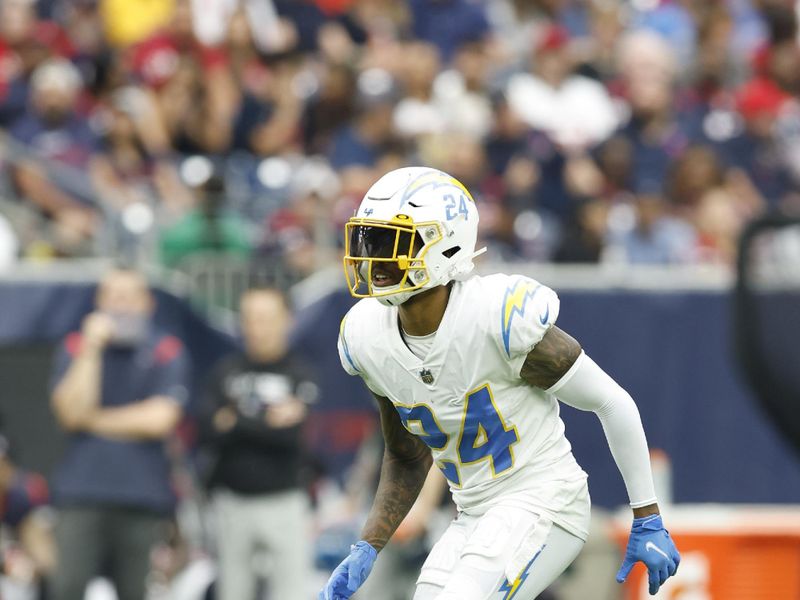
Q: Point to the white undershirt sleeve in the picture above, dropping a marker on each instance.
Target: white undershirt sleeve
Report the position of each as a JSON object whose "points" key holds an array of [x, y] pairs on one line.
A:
{"points": [[587, 387]]}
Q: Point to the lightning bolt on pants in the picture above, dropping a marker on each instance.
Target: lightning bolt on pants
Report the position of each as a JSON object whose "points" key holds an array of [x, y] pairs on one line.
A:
{"points": [[470, 561]]}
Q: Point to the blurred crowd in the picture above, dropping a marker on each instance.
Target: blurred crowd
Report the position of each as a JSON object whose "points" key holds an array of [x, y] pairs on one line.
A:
{"points": [[644, 131]]}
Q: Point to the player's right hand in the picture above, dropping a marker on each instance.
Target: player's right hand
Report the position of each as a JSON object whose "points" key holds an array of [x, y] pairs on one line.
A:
{"points": [[351, 573]]}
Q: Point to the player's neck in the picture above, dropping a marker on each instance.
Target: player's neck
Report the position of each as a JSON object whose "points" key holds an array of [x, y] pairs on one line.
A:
{"points": [[422, 314]]}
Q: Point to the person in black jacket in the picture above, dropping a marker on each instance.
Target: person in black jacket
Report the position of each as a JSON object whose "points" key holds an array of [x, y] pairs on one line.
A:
{"points": [[252, 419]]}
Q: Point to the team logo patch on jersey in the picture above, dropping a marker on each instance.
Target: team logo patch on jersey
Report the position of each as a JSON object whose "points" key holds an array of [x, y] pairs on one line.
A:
{"points": [[426, 376], [514, 303]]}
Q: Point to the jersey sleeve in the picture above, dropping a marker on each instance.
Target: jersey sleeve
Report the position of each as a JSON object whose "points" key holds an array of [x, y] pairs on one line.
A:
{"points": [[528, 310], [345, 356], [349, 360]]}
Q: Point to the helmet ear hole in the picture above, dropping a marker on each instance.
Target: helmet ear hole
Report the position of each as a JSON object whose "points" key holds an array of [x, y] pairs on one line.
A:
{"points": [[451, 251]]}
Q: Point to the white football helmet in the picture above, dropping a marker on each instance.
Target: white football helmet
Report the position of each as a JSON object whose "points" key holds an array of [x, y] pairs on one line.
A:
{"points": [[420, 223]]}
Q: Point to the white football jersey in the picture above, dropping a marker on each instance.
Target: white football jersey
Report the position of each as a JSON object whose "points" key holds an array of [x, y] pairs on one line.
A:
{"points": [[495, 438]]}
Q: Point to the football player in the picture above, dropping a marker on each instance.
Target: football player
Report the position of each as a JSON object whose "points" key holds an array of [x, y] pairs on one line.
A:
{"points": [[467, 372]]}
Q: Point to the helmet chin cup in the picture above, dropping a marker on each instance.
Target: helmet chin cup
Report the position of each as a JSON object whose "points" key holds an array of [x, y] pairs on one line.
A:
{"points": [[396, 299]]}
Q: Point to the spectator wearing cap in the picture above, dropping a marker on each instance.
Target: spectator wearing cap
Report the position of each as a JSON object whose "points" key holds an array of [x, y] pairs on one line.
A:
{"points": [[252, 422], [55, 149], [119, 388]]}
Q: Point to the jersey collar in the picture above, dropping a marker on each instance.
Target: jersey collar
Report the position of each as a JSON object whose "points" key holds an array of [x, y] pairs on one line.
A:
{"points": [[438, 352]]}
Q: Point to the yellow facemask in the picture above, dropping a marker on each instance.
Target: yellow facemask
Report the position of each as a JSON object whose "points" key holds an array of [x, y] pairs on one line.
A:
{"points": [[399, 242]]}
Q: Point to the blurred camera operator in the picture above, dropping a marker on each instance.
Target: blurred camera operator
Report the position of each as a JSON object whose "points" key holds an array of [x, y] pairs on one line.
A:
{"points": [[119, 392], [252, 420]]}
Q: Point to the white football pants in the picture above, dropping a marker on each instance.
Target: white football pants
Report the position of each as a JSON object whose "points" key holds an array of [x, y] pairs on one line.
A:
{"points": [[507, 553]]}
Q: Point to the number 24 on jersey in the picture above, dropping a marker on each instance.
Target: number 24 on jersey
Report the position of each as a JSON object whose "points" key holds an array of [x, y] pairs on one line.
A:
{"points": [[484, 434]]}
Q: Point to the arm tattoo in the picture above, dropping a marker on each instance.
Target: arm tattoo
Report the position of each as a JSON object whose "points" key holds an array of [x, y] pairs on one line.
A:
{"points": [[406, 461], [550, 359]]}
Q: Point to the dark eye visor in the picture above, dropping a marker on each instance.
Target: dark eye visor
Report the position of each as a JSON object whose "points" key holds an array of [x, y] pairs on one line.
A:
{"points": [[368, 241]]}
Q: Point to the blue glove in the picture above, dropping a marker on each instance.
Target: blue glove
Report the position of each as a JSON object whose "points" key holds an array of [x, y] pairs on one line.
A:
{"points": [[650, 543], [351, 573]]}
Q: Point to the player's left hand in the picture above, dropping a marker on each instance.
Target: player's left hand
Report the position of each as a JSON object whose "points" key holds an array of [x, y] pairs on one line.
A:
{"points": [[351, 573], [650, 543]]}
